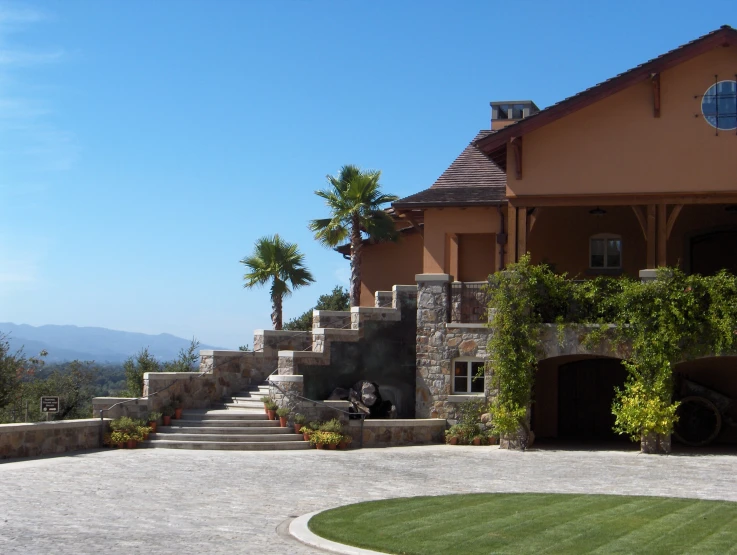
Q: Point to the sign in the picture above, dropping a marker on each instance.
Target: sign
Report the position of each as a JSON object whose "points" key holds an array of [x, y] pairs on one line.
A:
{"points": [[49, 404]]}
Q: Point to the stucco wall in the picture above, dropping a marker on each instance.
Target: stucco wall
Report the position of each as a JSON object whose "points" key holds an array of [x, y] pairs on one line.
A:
{"points": [[388, 264], [617, 146]]}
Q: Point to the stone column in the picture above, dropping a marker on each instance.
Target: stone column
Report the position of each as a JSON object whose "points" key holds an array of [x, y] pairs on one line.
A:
{"points": [[432, 378]]}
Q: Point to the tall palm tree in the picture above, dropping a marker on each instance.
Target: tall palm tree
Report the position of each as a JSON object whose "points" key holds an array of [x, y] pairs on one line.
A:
{"points": [[354, 198], [281, 263]]}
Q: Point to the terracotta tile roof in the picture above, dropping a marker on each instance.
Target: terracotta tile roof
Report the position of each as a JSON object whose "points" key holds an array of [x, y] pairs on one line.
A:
{"points": [[725, 35], [471, 179]]}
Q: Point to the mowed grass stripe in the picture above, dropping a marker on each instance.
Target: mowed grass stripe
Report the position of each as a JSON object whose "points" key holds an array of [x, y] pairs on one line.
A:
{"points": [[533, 523]]}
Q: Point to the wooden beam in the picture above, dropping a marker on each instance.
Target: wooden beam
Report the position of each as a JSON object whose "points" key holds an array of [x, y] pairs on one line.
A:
{"points": [[414, 223], [533, 217], [640, 215], [673, 217], [662, 234], [655, 80], [717, 197], [522, 232], [516, 143], [511, 234], [650, 236]]}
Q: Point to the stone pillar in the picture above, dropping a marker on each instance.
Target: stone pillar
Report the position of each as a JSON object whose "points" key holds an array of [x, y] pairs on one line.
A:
{"points": [[432, 378]]}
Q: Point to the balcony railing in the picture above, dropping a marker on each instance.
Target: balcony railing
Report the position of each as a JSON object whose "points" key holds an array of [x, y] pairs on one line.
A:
{"points": [[468, 302]]}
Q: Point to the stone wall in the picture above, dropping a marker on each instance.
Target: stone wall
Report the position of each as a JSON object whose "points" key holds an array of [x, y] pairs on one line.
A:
{"points": [[391, 433], [49, 438]]}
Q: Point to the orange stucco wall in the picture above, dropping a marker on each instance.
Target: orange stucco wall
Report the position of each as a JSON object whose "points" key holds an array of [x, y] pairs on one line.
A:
{"points": [[441, 224], [388, 264], [617, 146]]}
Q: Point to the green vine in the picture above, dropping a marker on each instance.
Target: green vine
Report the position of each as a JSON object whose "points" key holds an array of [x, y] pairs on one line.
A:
{"points": [[656, 324]]}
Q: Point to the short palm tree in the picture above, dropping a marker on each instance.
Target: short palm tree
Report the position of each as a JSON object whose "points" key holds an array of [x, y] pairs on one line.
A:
{"points": [[354, 198], [281, 263]]}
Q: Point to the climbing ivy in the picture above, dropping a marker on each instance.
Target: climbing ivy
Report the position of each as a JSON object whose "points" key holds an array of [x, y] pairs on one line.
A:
{"points": [[656, 324]]}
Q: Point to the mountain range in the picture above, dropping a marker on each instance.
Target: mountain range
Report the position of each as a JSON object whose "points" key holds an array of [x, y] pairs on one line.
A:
{"points": [[86, 343]]}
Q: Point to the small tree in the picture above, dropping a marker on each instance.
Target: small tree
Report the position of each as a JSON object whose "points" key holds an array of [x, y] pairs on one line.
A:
{"points": [[280, 263], [337, 299], [136, 368], [354, 198]]}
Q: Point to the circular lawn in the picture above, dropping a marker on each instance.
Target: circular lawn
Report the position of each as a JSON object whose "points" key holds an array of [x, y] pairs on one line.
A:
{"points": [[533, 523]]}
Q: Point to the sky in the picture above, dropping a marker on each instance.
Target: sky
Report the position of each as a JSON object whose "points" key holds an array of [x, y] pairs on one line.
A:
{"points": [[145, 146]]}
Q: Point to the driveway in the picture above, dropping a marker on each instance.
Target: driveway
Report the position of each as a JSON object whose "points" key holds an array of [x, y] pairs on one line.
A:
{"points": [[170, 501]]}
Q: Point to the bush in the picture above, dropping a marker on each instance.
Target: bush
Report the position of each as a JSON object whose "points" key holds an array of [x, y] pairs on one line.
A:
{"points": [[299, 418], [283, 412], [333, 425]]}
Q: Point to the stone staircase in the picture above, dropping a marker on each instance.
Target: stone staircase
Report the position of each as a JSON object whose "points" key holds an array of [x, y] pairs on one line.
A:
{"points": [[239, 424]]}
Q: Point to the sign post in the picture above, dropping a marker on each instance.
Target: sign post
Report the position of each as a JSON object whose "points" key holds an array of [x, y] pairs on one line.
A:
{"points": [[49, 405]]}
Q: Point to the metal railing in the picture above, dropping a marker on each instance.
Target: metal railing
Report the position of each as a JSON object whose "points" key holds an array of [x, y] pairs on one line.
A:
{"points": [[289, 394], [468, 302]]}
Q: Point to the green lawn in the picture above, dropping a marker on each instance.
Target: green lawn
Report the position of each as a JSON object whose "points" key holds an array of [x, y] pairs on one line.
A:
{"points": [[533, 523]]}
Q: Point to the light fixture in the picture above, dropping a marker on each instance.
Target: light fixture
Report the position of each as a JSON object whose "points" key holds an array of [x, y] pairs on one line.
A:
{"points": [[597, 211]]}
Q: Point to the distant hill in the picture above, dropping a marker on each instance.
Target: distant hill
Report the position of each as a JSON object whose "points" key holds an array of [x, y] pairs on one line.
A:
{"points": [[98, 344]]}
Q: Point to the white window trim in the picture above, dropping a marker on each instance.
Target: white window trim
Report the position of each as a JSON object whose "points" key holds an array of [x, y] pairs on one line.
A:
{"points": [[468, 392], [606, 236]]}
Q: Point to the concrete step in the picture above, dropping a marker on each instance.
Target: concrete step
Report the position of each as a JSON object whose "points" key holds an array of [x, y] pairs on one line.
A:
{"points": [[252, 405], [225, 430], [227, 446], [223, 415], [260, 423], [228, 437]]}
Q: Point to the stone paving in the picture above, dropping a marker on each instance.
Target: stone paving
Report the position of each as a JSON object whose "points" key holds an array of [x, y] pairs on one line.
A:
{"points": [[190, 502]]}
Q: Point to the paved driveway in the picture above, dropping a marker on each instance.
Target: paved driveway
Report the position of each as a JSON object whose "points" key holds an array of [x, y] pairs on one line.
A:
{"points": [[169, 501]]}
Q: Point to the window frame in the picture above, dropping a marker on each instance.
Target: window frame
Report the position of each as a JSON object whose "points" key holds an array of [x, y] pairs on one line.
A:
{"points": [[716, 96], [469, 376], [606, 237]]}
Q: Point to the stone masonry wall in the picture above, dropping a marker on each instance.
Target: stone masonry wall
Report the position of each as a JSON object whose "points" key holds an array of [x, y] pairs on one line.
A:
{"points": [[390, 433], [49, 438]]}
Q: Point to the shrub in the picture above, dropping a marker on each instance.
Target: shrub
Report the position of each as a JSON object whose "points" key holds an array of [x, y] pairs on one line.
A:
{"points": [[299, 418], [333, 425], [271, 405], [283, 412]]}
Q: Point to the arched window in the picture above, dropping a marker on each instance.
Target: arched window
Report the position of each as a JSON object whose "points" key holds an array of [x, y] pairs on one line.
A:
{"points": [[605, 251]]}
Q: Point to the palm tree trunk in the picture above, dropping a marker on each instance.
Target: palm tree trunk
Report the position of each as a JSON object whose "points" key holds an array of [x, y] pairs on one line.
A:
{"points": [[276, 311], [356, 252]]}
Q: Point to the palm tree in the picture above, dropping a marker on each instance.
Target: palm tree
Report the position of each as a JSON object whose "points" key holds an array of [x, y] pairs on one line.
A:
{"points": [[354, 198], [281, 263]]}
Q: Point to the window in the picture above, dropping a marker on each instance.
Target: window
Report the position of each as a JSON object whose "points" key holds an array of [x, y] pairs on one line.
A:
{"points": [[468, 376], [502, 111], [719, 105], [605, 251], [518, 111]]}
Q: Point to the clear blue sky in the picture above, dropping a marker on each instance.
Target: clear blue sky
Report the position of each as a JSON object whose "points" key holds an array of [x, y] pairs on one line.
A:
{"points": [[145, 146]]}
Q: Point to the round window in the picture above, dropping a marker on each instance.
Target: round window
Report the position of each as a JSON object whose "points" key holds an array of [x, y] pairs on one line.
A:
{"points": [[719, 105]]}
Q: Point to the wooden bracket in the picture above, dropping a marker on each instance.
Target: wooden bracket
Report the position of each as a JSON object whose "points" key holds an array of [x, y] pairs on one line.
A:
{"points": [[533, 216], [672, 218], [516, 144], [420, 229], [655, 80], [640, 215]]}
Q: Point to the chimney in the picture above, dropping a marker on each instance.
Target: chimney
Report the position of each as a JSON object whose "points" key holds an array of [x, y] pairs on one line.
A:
{"points": [[507, 112]]}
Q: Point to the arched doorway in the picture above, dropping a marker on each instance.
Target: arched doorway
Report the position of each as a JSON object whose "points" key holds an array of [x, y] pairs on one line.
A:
{"points": [[573, 398], [713, 251]]}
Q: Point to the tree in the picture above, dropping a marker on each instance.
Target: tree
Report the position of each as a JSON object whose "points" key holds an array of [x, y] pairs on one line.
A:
{"points": [[136, 368], [187, 360], [337, 299], [282, 264], [354, 198]]}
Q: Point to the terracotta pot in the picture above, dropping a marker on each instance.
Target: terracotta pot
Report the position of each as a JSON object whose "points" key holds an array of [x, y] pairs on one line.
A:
{"points": [[297, 428], [306, 437], [343, 445], [177, 413], [266, 411], [167, 420], [477, 441], [320, 445], [121, 445], [492, 440], [131, 444], [271, 414], [152, 425], [333, 446], [453, 440], [283, 421]]}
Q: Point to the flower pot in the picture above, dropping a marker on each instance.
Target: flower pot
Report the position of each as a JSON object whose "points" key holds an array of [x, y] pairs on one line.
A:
{"points": [[152, 425], [131, 444], [320, 445], [477, 441], [271, 414], [333, 446], [306, 437], [266, 411], [297, 428], [167, 420], [283, 421], [492, 440], [177, 413], [121, 445], [343, 445], [453, 440]]}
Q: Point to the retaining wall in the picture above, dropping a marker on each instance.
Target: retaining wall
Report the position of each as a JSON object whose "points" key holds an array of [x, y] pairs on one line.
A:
{"points": [[49, 438]]}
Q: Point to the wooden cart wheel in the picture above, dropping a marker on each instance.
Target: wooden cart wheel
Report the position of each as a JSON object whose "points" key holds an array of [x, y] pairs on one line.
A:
{"points": [[699, 421]]}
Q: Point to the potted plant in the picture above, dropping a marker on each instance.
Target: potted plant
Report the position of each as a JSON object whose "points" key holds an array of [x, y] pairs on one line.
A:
{"points": [[345, 441], [177, 404], [306, 432], [492, 439], [265, 400], [283, 414], [317, 438], [333, 425], [299, 422], [119, 438], [153, 420], [332, 439], [271, 407], [142, 432], [168, 412], [478, 439], [452, 434]]}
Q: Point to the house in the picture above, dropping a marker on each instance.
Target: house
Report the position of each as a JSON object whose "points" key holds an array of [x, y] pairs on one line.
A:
{"points": [[636, 172]]}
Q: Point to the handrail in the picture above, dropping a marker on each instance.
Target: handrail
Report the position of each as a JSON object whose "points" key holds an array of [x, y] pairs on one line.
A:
{"points": [[291, 394]]}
